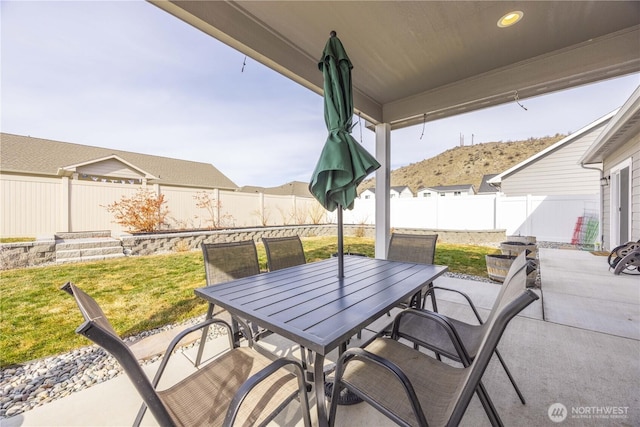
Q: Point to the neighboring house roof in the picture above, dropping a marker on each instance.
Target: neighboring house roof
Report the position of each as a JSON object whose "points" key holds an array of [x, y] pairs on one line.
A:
{"points": [[485, 187], [449, 188], [624, 124], [498, 178], [27, 155], [370, 189], [399, 188], [294, 188]]}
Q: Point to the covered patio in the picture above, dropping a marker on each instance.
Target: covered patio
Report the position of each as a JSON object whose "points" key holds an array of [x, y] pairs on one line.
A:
{"points": [[418, 61], [578, 345]]}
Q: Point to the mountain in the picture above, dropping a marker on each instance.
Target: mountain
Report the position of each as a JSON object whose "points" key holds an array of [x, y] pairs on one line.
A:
{"points": [[466, 164]]}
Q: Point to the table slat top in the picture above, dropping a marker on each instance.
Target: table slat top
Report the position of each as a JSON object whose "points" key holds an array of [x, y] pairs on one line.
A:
{"points": [[310, 305]]}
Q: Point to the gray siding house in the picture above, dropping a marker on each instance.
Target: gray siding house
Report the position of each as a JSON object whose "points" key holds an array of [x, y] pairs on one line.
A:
{"points": [[616, 151], [556, 170]]}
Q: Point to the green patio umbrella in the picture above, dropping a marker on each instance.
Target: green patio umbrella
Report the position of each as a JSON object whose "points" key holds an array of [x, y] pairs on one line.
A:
{"points": [[343, 163]]}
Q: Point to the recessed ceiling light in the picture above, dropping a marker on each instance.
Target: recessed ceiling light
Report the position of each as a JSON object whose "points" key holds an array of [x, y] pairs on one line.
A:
{"points": [[510, 18]]}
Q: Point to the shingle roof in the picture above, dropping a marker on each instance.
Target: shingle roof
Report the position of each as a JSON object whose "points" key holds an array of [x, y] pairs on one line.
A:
{"points": [[485, 187], [399, 188], [444, 188], [24, 154], [294, 188]]}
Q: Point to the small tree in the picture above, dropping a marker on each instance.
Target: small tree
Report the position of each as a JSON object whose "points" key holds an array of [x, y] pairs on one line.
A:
{"points": [[317, 213], [212, 205], [142, 212]]}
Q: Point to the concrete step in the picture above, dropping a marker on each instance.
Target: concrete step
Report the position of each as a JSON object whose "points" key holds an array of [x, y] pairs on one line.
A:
{"points": [[89, 258], [69, 244], [83, 234], [85, 252]]}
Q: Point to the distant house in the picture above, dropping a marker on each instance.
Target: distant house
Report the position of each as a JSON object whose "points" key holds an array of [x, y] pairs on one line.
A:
{"points": [[401, 191], [294, 188], [485, 187], [556, 169], [447, 190], [50, 186], [616, 151], [369, 193], [27, 156]]}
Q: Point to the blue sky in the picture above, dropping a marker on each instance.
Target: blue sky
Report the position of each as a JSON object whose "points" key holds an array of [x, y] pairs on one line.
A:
{"points": [[128, 76]]}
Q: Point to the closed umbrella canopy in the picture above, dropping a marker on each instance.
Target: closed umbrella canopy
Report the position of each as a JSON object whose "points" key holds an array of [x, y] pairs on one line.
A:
{"points": [[343, 163]]}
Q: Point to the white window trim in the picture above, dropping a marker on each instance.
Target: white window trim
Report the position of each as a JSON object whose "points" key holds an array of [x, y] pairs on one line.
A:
{"points": [[613, 214]]}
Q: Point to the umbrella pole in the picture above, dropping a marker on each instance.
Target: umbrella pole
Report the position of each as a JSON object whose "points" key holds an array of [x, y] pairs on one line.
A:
{"points": [[340, 245]]}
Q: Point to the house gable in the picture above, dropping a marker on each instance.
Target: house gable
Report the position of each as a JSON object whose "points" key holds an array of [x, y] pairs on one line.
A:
{"points": [[108, 167]]}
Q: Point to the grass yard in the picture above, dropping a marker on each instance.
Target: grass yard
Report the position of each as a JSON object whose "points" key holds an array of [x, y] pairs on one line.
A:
{"points": [[141, 293]]}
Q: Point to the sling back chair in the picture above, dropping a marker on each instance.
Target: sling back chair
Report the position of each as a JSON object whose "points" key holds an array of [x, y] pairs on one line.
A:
{"points": [[241, 386], [414, 389], [283, 252], [427, 332], [416, 248], [224, 262]]}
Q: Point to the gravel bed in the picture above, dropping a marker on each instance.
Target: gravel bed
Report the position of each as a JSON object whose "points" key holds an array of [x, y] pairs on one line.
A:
{"points": [[24, 387]]}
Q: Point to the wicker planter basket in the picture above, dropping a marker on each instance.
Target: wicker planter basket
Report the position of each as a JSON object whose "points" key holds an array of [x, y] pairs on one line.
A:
{"points": [[515, 248], [498, 266], [522, 239]]}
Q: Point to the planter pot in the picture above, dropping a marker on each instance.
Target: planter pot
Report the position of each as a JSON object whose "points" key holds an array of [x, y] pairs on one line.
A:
{"points": [[522, 239], [498, 266], [515, 248]]}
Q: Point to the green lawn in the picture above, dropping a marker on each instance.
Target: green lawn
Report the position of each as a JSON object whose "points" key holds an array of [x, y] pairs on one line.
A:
{"points": [[140, 293]]}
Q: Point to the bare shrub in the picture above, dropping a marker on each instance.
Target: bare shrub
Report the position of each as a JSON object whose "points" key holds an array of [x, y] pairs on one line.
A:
{"points": [[206, 201], [145, 211]]}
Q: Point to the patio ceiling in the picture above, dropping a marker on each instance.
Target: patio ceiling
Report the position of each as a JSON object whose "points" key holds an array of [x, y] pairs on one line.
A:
{"points": [[441, 58]]}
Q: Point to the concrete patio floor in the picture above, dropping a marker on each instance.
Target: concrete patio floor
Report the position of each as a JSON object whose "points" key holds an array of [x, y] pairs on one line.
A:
{"points": [[579, 346]]}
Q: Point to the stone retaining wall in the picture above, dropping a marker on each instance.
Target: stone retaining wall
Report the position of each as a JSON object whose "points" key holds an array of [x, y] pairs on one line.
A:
{"points": [[27, 254], [186, 241], [19, 255]]}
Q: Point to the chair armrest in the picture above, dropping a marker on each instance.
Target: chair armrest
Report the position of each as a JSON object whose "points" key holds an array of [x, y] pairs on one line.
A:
{"points": [[368, 357], [167, 355], [254, 380], [441, 321], [172, 345], [473, 307]]}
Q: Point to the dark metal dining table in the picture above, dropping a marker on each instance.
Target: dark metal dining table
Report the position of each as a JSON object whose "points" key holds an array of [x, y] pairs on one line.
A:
{"points": [[312, 307]]}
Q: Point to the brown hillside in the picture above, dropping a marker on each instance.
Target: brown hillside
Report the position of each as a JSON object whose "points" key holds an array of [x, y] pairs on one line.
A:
{"points": [[466, 165]]}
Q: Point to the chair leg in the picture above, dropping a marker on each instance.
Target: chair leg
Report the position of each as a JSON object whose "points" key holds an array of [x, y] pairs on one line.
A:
{"points": [[513, 382], [489, 408], [433, 300], [203, 339]]}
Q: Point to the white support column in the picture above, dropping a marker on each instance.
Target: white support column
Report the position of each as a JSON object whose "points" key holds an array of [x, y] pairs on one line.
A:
{"points": [[383, 186]]}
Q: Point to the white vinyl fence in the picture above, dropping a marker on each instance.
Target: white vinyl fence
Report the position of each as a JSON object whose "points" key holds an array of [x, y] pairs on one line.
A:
{"points": [[549, 218], [39, 206]]}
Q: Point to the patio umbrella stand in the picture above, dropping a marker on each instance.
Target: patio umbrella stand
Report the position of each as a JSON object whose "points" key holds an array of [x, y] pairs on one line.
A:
{"points": [[343, 163]]}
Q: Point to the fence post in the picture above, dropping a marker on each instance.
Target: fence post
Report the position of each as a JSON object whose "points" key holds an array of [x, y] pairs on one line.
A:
{"points": [[216, 197], [65, 205], [496, 211], [529, 210]]}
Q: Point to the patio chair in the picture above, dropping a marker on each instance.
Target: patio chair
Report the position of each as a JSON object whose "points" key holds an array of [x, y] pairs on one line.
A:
{"points": [[241, 385], [283, 252], [224, 262], [416, 248], [414, 389], [426, 331]]}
